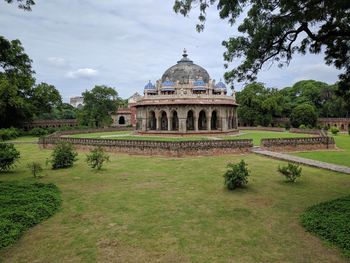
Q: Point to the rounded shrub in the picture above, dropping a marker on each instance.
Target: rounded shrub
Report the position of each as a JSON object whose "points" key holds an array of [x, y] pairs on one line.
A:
{"points": [[334, 130], [236, 175], [303, 114], [63, 155], [8, 156], [96, 158]]}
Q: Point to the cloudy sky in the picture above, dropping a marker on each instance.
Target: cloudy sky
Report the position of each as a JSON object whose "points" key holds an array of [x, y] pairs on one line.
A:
{"points": [[76, 44]]}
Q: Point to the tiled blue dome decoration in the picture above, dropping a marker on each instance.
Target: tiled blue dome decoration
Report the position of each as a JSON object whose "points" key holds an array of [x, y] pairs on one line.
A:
{"points": [[168, 83], [168, 89], [149, 85], [220, 85], [199, 83]]}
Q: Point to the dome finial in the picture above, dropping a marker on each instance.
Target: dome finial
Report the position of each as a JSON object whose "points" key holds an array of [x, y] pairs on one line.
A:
{"points": [[184, 53]]}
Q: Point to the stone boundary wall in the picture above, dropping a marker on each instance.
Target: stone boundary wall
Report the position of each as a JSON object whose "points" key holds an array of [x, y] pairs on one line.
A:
{"points": [[167, 148], [275, 129], [298, 144], [110, 129], [305, 131]]}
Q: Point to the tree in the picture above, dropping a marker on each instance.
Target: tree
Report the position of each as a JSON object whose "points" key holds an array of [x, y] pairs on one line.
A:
{"points": [[99, 103], [16, 83], [303, 114], [45, 98], [23, 4], [236, 175], [274, 30]]}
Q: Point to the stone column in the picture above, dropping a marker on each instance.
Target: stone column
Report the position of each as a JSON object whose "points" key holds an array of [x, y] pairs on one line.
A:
{"points": [[236, 119], [169, 123], [182, 125], [195, 120], [158, 123], [209, 122]]}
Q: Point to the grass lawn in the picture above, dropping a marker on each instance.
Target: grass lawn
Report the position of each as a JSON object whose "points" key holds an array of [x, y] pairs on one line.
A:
{"points": [[127, 135], [341, 156], [147, 209], [258, 135], [24, 139]]}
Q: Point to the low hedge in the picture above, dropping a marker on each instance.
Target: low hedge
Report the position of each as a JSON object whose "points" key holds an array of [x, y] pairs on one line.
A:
{"points": [[23, 205], [331, 222]]}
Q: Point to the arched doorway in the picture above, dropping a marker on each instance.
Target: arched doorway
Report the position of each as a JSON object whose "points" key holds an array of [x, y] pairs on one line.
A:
{"points": [[202, 120], [190, 121], [152, 123], [164, 121], [342, 127], [121, 120], [214, 121], [174, 121]]}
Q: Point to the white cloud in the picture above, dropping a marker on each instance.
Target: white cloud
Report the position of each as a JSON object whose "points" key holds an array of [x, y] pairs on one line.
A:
{"points": [[57, 61], [82, 73]]}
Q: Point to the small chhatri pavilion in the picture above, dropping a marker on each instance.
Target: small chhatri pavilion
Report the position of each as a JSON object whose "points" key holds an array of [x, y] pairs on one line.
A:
{"points": [[185, 100]]}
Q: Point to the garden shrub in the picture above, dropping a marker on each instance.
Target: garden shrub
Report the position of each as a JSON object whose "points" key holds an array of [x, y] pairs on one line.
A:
{"points": [[24, 205], [9, 133], [35, 168], [334, 130], [290, 171], [302, 126], [8, 156], [96, 158], [63, 155], [330, 221], [236, 175], [38, 131]]}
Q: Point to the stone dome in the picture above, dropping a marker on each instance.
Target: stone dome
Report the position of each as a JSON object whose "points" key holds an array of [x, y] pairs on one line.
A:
{"points": [[185, 70]]}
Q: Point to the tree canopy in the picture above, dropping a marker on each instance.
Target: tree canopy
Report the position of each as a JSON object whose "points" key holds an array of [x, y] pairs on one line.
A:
{"points": [[274, 30], [99, 103], [259, 105], [22, 4]]}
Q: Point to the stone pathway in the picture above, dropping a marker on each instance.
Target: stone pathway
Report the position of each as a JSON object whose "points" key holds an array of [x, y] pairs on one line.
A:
{"points": [[300, 160]]}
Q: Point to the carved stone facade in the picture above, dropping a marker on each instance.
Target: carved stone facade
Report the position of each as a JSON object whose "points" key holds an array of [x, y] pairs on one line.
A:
{"points": [[186, 100]]}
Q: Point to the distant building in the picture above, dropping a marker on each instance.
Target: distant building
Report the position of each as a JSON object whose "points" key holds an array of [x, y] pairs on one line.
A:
{"points": [[126, 116], [76, 102]]}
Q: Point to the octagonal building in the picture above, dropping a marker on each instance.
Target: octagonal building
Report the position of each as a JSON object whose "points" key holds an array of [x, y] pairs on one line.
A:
{"points": [[186, 101]]}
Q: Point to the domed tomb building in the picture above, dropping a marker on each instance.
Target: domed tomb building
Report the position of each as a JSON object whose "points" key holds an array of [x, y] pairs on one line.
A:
{"points": [[186, 100]]}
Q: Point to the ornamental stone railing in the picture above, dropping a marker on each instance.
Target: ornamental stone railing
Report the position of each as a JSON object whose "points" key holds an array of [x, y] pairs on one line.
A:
{"points": [[150, 147], [275, 129], [306, 131], [298, 144]]}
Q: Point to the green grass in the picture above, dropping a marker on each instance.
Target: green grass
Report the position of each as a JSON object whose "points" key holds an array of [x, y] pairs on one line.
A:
{"points": [[127, 135], [340, 156], [258, 135], [147, 209], [330, 221], [24, 205], [24, 139]]}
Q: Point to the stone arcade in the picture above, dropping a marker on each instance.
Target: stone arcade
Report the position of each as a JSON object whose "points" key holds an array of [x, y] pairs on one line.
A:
{"points": [[185, 101]]}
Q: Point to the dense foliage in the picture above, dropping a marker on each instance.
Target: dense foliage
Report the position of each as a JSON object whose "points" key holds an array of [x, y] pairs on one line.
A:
{"points": [[35, 168], [303, 114], [24, 205], [273, 30], [331, 222], [8, 134], [290, 171], [96, 158], [8, 156], [259, 105], [98, 104], [63, 156], [236, 175], [334, 130]]}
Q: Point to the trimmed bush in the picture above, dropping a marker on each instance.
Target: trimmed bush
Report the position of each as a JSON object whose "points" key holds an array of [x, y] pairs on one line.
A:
{"points": [[331, 222], [290, 171], [8, 134], [63, 155], [38, 132], [303, 114], [96, 158], [236, 175], [24, 205], [8, 156], [334, 130]]}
